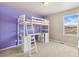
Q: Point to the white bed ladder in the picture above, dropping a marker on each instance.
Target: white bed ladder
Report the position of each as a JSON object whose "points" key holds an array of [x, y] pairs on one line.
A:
{"points": [[31, 41]]}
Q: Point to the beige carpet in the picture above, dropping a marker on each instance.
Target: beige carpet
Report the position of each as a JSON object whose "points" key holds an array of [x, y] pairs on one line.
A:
{"points": [[51, 49]]}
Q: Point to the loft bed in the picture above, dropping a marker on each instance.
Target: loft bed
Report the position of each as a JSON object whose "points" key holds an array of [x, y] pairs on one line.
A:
{"points": [[40, 26], [35, 26]]}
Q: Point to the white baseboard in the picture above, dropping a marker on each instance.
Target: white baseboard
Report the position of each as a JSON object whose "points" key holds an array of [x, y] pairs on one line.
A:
{"points": [[9, 47], [66, 43]]}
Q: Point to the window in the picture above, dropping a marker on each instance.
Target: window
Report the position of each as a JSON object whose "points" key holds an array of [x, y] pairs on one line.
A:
{"points": [[71, 24]]}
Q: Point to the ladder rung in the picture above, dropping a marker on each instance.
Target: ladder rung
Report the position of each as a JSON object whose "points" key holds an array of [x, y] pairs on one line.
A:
{"points": [[33, 38], [33, 48], [19, 40], [32, 45]]}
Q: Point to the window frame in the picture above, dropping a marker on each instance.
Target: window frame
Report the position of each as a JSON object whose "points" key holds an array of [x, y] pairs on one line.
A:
{"points": [[64, 26]]}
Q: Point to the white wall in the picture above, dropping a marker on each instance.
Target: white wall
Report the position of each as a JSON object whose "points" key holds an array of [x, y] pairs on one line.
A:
{"points": [[56, 28]]}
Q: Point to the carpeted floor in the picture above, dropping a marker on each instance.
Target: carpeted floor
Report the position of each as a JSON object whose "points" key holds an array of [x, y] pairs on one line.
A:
{"points": [[52, 49]]}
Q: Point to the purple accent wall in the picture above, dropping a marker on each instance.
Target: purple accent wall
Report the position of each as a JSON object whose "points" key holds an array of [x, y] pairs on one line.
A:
{"points": [[8, 25]]}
